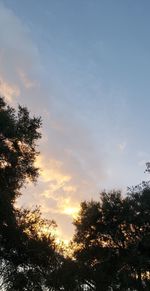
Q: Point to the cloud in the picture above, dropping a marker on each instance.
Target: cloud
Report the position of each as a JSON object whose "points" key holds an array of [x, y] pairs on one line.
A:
{"points": [[50, 171], [59, 191], [67, 207], [26, 81], [59, 188], [9, 91], [19, 57]]}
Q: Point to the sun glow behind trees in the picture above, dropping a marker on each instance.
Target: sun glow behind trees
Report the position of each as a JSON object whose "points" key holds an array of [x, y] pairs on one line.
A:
{"points": [[114, 231]]}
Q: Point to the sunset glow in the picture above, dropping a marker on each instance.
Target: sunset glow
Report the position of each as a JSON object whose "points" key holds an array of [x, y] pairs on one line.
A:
{"points": [[69, 62], [72, 211]]}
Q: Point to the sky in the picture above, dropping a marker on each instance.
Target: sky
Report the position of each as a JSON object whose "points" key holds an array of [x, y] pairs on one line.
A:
{"points": [[84, 67]]}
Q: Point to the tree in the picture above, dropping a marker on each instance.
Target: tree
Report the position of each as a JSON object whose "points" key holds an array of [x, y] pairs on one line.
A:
{"points": [[27, 254], [18, 135], [113, 237]]}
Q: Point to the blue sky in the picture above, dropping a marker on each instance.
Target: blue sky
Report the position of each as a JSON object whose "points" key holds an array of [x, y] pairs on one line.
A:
{"points": [[84, 66]]}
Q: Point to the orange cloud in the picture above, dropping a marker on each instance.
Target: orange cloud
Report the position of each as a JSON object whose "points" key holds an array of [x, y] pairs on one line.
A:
{"points": [[51, 171], [59, 188]]}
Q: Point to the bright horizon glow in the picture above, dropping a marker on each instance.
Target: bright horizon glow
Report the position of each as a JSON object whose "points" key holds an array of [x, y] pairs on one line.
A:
{"points": [[72, 211]]}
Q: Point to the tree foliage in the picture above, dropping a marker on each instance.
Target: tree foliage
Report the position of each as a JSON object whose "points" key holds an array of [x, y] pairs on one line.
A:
{"points": [[27, 254], [113, 240]]}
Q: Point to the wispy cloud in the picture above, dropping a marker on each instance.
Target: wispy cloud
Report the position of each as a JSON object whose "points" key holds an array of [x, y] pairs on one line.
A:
{"points": [[19, 57], [9, 91], [28, 83]]}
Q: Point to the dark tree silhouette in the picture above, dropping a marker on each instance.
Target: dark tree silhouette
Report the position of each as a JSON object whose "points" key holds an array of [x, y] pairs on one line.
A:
{"points": [[18, 135], [27, 255], [113, 239]]}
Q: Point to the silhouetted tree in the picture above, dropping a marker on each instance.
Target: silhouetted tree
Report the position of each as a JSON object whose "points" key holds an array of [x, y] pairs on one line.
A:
{"points": [[18, 135], [27, 254], [113, 238]]}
